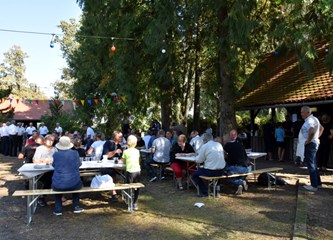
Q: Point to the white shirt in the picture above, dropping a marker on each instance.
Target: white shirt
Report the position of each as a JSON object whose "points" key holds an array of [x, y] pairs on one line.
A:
{"points": [[162, 147], [29, 130], [196, 143], [20, 130], [43, 130], [212, 155], [12, 129], [98, 148], [4, 131], [58, 129], [311, 122], [90, 132], [43, 153]]}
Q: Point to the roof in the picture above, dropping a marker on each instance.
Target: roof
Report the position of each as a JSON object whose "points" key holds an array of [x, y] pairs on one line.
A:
{"points": [[280, 81], [34, 110]]}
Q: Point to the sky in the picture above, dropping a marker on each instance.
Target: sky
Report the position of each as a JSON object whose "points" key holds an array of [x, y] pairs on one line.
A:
{"points": [[44, 64]]}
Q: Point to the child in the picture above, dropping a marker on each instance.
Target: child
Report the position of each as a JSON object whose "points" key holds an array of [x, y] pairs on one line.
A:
{"points": [[279, 135], [131, 157]]}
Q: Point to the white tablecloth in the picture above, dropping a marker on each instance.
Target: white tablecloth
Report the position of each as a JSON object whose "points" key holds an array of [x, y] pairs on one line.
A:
{"points": [[29, 170]]}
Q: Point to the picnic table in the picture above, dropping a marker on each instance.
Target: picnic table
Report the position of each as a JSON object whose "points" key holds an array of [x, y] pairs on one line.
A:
{"points": [[254, 156], [190, 162]]}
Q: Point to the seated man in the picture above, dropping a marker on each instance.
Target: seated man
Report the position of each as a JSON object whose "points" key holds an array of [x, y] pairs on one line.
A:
{"points": [[161, 149], [237, 161], [212, 156]]}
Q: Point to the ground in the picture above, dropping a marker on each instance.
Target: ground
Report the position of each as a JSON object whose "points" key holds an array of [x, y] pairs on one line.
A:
{"points": [[166, 213]]}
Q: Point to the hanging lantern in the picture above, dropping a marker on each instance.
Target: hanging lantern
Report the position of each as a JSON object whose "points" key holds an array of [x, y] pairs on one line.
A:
{"points": [[113, 48]]}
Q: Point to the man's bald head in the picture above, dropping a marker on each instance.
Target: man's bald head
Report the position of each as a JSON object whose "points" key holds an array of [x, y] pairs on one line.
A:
{"points": [[233, 134]]}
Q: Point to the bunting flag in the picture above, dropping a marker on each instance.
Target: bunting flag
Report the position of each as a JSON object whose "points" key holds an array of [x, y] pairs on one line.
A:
{"points": [[76, 102]]}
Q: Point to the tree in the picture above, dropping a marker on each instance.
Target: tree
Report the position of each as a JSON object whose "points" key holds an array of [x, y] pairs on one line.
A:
{"points": [[12, 74]]}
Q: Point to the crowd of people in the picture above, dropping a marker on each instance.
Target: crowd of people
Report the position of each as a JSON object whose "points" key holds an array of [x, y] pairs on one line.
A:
{"points": [[216, 157]]}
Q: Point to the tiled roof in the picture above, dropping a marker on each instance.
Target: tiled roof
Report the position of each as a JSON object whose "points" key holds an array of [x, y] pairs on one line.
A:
{"points": [[280, 80], [34, 111]]}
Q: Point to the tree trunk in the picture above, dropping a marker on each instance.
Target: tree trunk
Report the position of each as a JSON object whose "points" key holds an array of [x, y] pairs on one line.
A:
{"points": [[227, 119], [166, 111], [196, 115]]}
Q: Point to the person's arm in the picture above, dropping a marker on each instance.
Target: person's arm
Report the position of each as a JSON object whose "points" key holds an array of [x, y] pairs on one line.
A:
{"points": [[90, 150], [37, 156], [112, 153], [310, 137], [321, 130], [201, 157]]}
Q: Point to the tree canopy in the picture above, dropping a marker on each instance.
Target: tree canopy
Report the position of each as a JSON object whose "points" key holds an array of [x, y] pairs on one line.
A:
{"points": [[171, 57]]}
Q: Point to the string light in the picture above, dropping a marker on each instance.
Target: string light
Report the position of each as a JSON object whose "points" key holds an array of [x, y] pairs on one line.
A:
{"points": [[52, 41]]}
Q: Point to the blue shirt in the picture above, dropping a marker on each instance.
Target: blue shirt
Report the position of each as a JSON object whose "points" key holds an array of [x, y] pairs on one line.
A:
{"points": [[279, 135], [66, 165]]}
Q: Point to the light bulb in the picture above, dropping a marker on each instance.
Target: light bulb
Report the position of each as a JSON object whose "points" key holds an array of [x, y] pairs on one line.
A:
{"points": [[163, 51], [51, 44]]}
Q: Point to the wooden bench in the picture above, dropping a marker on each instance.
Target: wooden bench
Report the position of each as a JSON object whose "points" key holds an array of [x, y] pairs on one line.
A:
{"points": [[213, 181], [33, 195]]}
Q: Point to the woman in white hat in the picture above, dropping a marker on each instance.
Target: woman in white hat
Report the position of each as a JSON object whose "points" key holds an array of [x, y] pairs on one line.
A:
{"points": [[66, 176]]}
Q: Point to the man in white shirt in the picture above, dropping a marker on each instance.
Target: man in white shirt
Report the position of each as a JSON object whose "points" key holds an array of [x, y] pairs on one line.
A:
{"points": [[20, 132], [29, 130], [43, 130], [196, 141], [97, 146], [161, 149], [211, 154], [12, 131], [58, 129], [4, 139], [311, 131]]}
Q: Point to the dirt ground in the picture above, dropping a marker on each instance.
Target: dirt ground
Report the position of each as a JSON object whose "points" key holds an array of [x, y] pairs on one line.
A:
{"points": [[166, 213]]}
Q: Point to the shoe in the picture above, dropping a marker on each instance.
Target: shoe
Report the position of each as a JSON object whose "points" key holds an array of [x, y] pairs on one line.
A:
{"points": [[57, 214], [77, 209], [153, 179], [41, 202], [239, 190], [310, 188], [135, 207], [320, 186], [114, 198], [162, 178], [245, 186]]}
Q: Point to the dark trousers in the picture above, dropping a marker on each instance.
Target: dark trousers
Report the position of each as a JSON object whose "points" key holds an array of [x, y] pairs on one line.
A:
{"points": [[323, 154], [134, 178], [150, 170], [5, 145], [75, 196], [310, 152], [13, 145], [19, 143], [208, 173], [46, 180]]}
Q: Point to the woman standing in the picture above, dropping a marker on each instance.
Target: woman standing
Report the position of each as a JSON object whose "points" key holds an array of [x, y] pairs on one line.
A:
{"points": [[66, 176]]}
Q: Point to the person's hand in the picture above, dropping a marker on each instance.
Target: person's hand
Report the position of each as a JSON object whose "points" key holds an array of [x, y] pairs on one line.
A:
{"points": [[118, 151], [307, 142]]}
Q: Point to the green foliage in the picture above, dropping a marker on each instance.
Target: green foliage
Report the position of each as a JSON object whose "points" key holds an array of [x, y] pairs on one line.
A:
{"points": [[12, 75]]}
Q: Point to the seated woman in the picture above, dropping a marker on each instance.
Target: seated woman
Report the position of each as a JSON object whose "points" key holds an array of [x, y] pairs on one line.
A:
{"points": [[182, 148], [66, 176]]}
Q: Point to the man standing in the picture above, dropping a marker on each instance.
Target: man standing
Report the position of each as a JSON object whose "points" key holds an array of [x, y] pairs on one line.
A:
{"points": [[311, 131], [29, 130], [212, 156], [12, 131], [20, 132], [43, 130], [89, 138], [58, 129], [161, 149], [4, 139]]}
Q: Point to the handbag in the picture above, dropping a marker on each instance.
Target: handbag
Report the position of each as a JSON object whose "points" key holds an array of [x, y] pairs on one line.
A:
{"points": [[104, 181]]}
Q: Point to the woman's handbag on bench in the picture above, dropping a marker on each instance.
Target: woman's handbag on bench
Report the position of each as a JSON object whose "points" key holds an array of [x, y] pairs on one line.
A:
{"points": [[104, 181]]}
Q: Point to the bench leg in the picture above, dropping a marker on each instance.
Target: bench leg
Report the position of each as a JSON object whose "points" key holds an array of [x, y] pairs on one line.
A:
{"points": [[128, 198], [212, 184]]}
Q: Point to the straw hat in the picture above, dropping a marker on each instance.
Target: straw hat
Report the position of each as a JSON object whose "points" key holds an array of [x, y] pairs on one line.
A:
{"points": [[64, 143]]}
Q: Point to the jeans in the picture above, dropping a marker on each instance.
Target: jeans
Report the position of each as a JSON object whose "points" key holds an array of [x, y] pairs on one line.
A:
{"points": [[208, 173], [76, 197], [310, 152], [5, 145], [134, 178], [235, 170]]}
